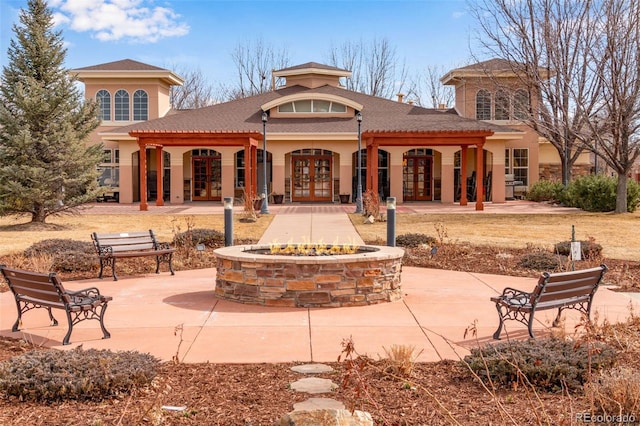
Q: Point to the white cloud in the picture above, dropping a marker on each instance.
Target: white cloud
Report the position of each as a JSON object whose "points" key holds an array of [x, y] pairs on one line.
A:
{"points": [[110, 20], [458, 15]]}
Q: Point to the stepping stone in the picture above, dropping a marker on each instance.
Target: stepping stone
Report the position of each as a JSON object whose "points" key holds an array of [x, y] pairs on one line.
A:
{"points": [[318, 404], [313, 385], [312, 368]]}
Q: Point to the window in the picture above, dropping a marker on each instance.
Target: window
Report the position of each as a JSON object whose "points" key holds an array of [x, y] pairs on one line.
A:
{"points": [[108, 168], [517, 164], [140, 105], [121, 104], [104, 100], [521, 104], [312, 105], [483, 105], [502, 105]]}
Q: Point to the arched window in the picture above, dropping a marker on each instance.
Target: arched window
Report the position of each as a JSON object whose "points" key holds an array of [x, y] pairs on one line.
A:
{"points": [[501, 105], [140, 105], [121, 104], [104, 100], [483, 105], [521, 105]]}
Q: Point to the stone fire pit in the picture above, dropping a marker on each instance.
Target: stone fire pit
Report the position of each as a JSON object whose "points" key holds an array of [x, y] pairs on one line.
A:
{"points": [[249, 274]]}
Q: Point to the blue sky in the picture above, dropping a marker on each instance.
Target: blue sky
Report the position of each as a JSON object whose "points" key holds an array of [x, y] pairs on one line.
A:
{"points": [[201, 34]]}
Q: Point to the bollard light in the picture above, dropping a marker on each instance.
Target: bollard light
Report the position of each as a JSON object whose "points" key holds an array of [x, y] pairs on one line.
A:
{"points": [[391, 221], [228, 221]]}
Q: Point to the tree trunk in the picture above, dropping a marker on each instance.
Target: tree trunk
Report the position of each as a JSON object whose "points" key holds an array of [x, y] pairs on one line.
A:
{"points": [[621, 193], [38, 214]]}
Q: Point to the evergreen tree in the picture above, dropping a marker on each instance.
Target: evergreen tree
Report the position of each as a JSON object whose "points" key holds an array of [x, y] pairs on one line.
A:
{"points": [[45, 166]]}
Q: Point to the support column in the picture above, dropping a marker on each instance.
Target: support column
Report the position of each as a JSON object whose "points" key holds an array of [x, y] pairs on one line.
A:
{"points": [[479, 177], [463, 175], [143, 177], [247, 168], [372, 158], [159, 180]]}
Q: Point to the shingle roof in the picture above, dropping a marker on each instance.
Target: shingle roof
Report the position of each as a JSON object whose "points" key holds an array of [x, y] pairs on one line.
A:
{"points": [[379, 115], [316, 65], [122, 65]]}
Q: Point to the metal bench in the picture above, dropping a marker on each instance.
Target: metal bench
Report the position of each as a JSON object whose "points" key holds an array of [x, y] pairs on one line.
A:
{"points": [[36, 290], [131, 244], [562, 290]]}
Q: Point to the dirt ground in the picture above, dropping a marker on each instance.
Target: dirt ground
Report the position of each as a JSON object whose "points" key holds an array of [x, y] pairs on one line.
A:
{"points": [[259, 394]]}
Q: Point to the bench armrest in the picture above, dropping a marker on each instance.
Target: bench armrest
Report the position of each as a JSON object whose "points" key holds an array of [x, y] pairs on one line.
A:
{"points": [[105, 251], [513, 296], [163, 246], [85, 292]]}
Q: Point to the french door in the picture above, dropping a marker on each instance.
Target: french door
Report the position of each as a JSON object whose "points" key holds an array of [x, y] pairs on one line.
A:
{"points": [[207, 178], [417, 177], [311, 178]]}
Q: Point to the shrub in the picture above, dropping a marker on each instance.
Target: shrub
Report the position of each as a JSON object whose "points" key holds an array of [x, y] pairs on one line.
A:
{"points": [[545, 190], [193, 237], [549, 364], [48, 375], [66, 255], [593, 193], [414, 240], [542, 261], [616, 392], [589, 249]]}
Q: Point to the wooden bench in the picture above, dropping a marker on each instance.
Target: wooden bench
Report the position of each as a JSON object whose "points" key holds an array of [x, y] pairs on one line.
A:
{"points": [[562, 290], [36, 290], [130, 244]]}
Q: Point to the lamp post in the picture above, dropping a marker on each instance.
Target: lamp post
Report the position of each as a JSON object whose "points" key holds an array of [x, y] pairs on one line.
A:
{"points": [[265, 201], [359, 166]]}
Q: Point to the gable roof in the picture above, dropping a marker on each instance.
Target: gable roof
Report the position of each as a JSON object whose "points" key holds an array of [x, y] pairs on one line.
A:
{"points": [[379, 115]]}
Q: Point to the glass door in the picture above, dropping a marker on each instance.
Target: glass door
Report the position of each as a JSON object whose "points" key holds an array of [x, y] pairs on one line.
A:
{"points": [[311, 178], [417, 176], [207, 178]]}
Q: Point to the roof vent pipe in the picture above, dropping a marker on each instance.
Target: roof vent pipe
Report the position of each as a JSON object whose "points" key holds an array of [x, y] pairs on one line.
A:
{"points": [[400, 96]]}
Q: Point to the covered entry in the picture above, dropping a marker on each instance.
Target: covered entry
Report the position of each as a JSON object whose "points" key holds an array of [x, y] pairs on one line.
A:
{"points": [[417, 175], [206, 166], [311, 175]]}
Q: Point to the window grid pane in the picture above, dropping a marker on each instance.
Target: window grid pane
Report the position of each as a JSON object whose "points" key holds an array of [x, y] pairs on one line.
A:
{"points": [[121, 105], [483, 105], [140, 105], [104, 100], [502, 105]]}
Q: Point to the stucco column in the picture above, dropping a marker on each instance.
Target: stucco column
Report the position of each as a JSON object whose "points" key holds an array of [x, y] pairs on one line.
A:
{"points": [[463, 175], [159, 172], [447, 157], [177, 177], [227, 164], [346, 173], [277, 170], [143, 177], [479, 177], [372, 166]]}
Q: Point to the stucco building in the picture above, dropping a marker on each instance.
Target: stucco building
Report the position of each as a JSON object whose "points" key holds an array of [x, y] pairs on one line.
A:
{"points": [[312, 127]]}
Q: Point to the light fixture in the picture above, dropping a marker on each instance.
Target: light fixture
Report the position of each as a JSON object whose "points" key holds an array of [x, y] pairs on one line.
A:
{"points": [[265, 200], [359, 166]]}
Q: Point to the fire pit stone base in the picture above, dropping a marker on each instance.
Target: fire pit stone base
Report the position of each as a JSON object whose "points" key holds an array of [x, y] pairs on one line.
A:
{"points": [[246, 275]]}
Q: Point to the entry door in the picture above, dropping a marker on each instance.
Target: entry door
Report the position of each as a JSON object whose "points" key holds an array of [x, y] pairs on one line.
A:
{"points": [[417, 178], [311, 178], [207, 181]]}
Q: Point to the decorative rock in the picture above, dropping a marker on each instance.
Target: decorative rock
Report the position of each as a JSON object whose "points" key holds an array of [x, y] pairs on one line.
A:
{"points": [[313, 385], [318, 404], [328, 417], [312, 368]]}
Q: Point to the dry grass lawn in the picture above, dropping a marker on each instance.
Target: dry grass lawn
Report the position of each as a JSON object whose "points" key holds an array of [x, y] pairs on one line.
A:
{"points": [[618, 234], [16, 234]]}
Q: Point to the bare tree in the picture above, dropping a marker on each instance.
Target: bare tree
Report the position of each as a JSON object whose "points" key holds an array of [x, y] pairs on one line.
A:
{"points": [[195, 92], [254, 63], [428, 91], [375, 67], [614, 130], [547, 44]]}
